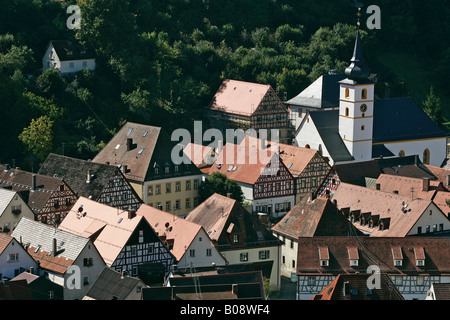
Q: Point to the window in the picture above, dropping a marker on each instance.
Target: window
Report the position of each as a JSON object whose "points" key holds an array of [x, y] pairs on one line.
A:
{"points": [[192, 253], [397, 262], [363, 128], [419, 230], [434, 227], [177, 204], [71, 65], [150, 250], [188, 185], [88, 262], [188, 203], [235, 238], [346, 112], [13, 257], [195, 184], [141, 236], [156, 171], [353, 263], [426, 156], [177, 168], [364, 94], [150, 190], [177, 186], [133, 251], [347, 93], [441, 227], [311, 280], [427, 228], [420, 280], [168, 186], [195, 201], [86, 281], [244, 256], [292, 244], [51, 295], [324, 263], [264, 254], [401, 153], [157, 189], [168, 206], [84, 64], [303, 183], [61, 187], [166, 169], [208, 252]]}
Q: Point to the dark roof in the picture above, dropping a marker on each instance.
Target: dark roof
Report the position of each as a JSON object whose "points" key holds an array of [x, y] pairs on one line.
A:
{"points": [[15, 290], [389, 125], [318, 217], [75, 173], [380, 150], [22, 181], [398, 119], [358, 290], [357, 70], [327, 124], [70, 50], [322, 93], [373, 251], [356, 172], [111, 284], [441, 291], [409, 166]]}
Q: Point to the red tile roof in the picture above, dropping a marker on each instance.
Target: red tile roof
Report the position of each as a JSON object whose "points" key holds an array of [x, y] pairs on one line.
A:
{"points": [[400, 212], [238, 97], [358, 290], [380, 251], [4, 241], [406, 186], [318, 217]]}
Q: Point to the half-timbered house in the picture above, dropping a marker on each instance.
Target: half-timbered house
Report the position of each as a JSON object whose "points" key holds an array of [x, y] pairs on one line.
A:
{"points": [[50, 198], [126, 241], [413, 264], [264, 179], [97, 181], [245, 105], [240, 236], [144, 155]]}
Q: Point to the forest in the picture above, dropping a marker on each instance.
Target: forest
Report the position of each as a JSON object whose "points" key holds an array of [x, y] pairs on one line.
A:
{"points": [[160, 62]]}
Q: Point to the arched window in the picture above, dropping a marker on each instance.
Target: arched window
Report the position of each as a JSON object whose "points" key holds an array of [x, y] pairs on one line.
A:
{"points": [[364, 94], [347, 93], [426, 156], [401, 153], [346, 112], [307, 146]]}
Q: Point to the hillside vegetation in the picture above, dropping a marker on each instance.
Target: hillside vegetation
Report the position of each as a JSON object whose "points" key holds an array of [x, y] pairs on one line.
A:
{"points": [[160, 62]]}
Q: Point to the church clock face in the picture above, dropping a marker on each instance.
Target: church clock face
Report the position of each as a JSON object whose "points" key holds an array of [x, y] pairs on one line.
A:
{"points": [[363, 108]]}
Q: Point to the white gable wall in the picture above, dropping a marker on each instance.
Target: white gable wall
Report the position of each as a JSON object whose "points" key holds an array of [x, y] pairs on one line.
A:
{"points": [[432, 216], [437, 149], [10, 268], [200, 244]]}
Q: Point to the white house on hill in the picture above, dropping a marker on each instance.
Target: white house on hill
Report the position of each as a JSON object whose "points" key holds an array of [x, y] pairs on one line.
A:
{"points": [[67, 56]]}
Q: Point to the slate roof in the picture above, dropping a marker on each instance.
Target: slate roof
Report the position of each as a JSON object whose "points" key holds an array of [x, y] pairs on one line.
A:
{"points": [[317, 217], [358, 290], [63, 47], [15, 290], [21, 181], [373, 251], [38, 240], [238, 97], [388, 125], [322, 93], [112, 284], [75, 173]]}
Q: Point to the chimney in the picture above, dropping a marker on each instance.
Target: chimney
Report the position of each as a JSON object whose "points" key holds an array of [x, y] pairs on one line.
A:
{"points": [[6, 167], [131, 214], [346, 288], [54, 248], [426, 184], [31, 270], [229, 194], [125, 168], [234, 288], [89, 175], [448, 179], [378, 186], [107, 162], [129, 143], [335, 203], [33, 182]]}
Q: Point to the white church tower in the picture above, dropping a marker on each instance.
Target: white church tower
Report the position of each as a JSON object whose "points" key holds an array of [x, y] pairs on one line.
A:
{"points": [[356, 103]]}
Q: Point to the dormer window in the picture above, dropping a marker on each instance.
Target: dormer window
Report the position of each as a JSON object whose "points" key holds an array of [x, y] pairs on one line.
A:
{"points": [[397, 256], [324, 257], [419, 254], [353, 256]]}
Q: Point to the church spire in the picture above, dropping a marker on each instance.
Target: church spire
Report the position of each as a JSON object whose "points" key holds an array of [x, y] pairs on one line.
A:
{"points": [[357, 70]]}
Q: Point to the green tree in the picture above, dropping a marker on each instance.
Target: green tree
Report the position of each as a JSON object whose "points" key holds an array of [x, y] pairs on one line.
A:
{"points": [[219, 183], [432, 106], [38, 137]]}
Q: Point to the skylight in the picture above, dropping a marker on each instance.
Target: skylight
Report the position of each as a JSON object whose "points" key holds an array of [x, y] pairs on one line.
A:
{"points": [[129, 131], [140, 151], [118, 146]]}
